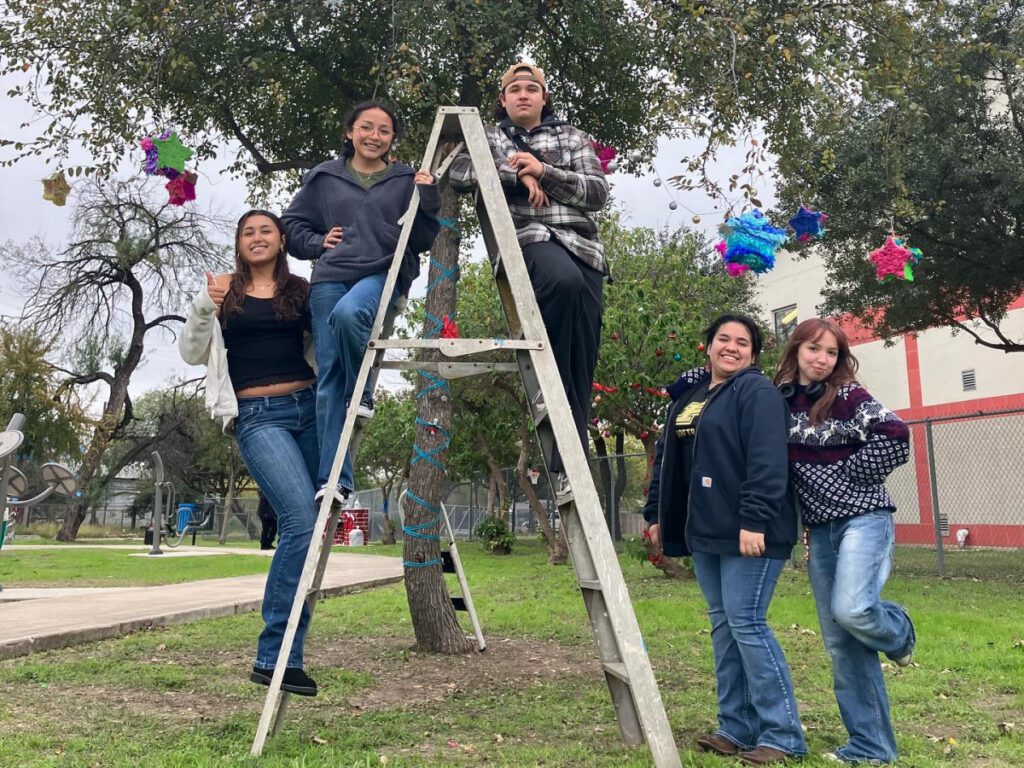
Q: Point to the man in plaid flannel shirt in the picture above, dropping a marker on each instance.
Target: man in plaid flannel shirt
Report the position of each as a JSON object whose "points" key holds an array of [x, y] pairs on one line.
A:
{"points": [[554, 186]]}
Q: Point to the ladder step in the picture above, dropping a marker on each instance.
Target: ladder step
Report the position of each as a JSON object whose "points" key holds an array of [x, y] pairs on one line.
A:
{"points": [[591, 584], [456, 347], [447, 562], [617, 670], [459, 604], [449, 370]]}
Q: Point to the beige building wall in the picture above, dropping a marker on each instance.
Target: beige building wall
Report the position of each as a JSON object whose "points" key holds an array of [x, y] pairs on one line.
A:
{"points": [[944, 357]]}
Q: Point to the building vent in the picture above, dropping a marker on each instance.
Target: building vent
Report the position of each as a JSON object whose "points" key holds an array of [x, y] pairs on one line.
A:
{"points": [[969, 382], [943, 525]]}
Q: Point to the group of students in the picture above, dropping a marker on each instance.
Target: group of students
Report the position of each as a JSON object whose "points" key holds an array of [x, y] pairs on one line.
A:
{"points": [[735, 450], [283, 355]]}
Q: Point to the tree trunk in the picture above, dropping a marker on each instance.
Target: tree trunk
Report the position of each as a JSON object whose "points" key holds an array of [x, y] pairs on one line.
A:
{"points": [[604, 472], [433, 617], [619, 487], [557, 551], [387, 526], [101, 436], [497, 496], [228, 501]]}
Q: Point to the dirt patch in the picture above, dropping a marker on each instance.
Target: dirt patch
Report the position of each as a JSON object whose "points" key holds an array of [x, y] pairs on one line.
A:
{"points": [[401, 678], [405, 679]]}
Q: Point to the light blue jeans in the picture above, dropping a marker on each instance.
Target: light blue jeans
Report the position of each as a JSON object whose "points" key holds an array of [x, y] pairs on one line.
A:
{"points": [[277, 439], [849, 564], [343, 315], [756, 705]]}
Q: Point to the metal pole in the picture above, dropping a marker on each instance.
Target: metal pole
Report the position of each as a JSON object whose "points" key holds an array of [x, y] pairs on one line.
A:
{"points": [[158, 523], [940, 562]]}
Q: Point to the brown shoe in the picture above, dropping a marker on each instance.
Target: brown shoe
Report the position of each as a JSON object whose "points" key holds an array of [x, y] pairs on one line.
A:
{"points": [[715, 742], [764, 756]]}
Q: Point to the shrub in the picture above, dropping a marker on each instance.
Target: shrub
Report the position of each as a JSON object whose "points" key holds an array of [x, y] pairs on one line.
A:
{"points": [[495, 535]]}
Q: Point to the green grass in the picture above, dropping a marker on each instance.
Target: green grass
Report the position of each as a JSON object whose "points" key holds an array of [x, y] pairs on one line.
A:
{"points": [[93, 567], [178, 697]]}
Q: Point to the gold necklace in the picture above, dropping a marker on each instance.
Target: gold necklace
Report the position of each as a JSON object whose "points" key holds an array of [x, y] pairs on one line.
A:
{"points": [[364, 178]]}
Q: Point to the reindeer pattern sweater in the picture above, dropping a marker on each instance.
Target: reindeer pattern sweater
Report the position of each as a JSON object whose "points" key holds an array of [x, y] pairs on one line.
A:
{"points": [[838, 467]]}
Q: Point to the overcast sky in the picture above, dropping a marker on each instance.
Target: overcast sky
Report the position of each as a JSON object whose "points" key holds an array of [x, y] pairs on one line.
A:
{"points": [[24, 213]]}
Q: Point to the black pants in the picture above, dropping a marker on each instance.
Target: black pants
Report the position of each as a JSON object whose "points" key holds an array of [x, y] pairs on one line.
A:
{"points": [[570, 296], [268, 523]]}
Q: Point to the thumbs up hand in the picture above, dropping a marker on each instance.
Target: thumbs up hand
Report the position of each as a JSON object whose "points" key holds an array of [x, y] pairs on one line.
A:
{"points": [[216, 291]]}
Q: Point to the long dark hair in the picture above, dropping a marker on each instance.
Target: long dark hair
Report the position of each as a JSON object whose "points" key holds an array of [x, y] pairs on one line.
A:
{"points": [[290, 291], [747, 322], [845, 371], [347, 148]]}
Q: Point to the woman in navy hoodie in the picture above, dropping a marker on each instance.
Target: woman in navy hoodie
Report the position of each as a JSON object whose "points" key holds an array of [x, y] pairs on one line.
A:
{"points": [[720, 493], [345, 218]]}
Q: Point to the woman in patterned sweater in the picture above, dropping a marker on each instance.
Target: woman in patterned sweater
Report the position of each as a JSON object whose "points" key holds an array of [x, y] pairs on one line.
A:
{"points": [[842, 445]]}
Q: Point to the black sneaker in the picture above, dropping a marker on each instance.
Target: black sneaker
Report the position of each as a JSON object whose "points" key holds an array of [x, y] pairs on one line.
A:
{"points": [[295, 680]]}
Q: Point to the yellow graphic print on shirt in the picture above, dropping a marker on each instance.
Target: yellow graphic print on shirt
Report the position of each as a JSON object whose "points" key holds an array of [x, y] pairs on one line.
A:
{"points": [[686, 420]]}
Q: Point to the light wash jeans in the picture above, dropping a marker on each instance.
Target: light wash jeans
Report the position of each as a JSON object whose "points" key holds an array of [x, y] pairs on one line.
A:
{"points": [[277, 439], [343, 315], [849, 564], [756, 705]]}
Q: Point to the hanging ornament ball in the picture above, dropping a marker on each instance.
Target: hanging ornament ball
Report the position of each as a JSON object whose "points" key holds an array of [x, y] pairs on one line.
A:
{"points": [[644, 435], [700, 347], [597, 398], [659, 352], [615, 335], [672, 335], [695, 219], [613, 165], [673, 205], [657, 182], [677, 357], [636, 155], [634, 385], [607, 433], [595, 422]]}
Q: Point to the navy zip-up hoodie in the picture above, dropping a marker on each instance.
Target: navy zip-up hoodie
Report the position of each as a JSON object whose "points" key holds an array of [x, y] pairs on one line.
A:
{"points": [[330, 197], [740, 471]]}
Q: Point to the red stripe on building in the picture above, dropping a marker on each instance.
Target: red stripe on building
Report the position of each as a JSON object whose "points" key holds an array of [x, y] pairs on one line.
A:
{"points": [[980, 535]]}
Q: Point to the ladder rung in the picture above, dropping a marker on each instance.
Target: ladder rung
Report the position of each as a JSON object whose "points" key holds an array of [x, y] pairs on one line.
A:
{"points": [[456, 347], [617, 670], [450, 370], [590, 584]]}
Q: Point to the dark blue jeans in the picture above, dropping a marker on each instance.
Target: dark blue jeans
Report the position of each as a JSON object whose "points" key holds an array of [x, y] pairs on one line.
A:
{"points": [[277, 439], [343, 315], [756, 705]]}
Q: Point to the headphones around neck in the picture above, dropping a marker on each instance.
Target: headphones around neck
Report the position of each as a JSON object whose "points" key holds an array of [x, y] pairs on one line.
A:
{"points": [[814, 390]]}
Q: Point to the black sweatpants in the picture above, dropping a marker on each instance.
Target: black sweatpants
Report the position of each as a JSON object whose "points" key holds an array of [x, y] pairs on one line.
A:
{"points": [[570, 296]]}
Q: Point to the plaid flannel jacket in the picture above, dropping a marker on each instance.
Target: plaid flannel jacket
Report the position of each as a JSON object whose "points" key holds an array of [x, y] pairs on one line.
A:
{"points": [[573, 181]]}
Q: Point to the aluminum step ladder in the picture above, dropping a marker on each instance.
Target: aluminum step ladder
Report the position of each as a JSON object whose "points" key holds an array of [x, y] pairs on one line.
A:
{"points": [[621, 649]]}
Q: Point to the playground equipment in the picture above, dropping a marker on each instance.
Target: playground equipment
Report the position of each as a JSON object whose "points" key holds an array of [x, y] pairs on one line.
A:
{"points": [[172, 523], [13, 481]]}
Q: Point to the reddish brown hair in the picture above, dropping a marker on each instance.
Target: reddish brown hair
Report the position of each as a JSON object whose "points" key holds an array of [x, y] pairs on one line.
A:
{"points": [[844, 372]]}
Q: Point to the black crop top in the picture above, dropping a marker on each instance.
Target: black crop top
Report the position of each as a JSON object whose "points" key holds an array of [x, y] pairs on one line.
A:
{"points": [[264, 350]]}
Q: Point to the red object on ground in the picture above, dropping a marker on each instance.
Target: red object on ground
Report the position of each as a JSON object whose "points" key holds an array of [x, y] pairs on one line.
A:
{"points": [[350, 520]]}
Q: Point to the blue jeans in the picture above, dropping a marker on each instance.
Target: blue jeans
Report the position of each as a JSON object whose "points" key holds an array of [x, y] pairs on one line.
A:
{"points": [[277, 439], [756, 705], [343, 315], [849, 564]]}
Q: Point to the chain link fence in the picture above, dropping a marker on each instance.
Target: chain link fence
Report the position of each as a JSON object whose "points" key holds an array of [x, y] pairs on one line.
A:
{"points": [[960, 497]]}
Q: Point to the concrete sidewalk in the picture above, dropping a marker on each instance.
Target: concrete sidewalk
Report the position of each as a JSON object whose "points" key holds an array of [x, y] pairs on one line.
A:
{"points": [[43, 619]]}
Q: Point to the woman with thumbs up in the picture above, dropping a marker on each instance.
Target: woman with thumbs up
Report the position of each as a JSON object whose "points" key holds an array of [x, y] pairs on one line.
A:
{"points": [[251, 330]]}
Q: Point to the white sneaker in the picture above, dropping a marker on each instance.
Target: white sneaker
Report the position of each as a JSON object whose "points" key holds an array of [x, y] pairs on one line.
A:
{"points": [[340, 495], [365, 410]]}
